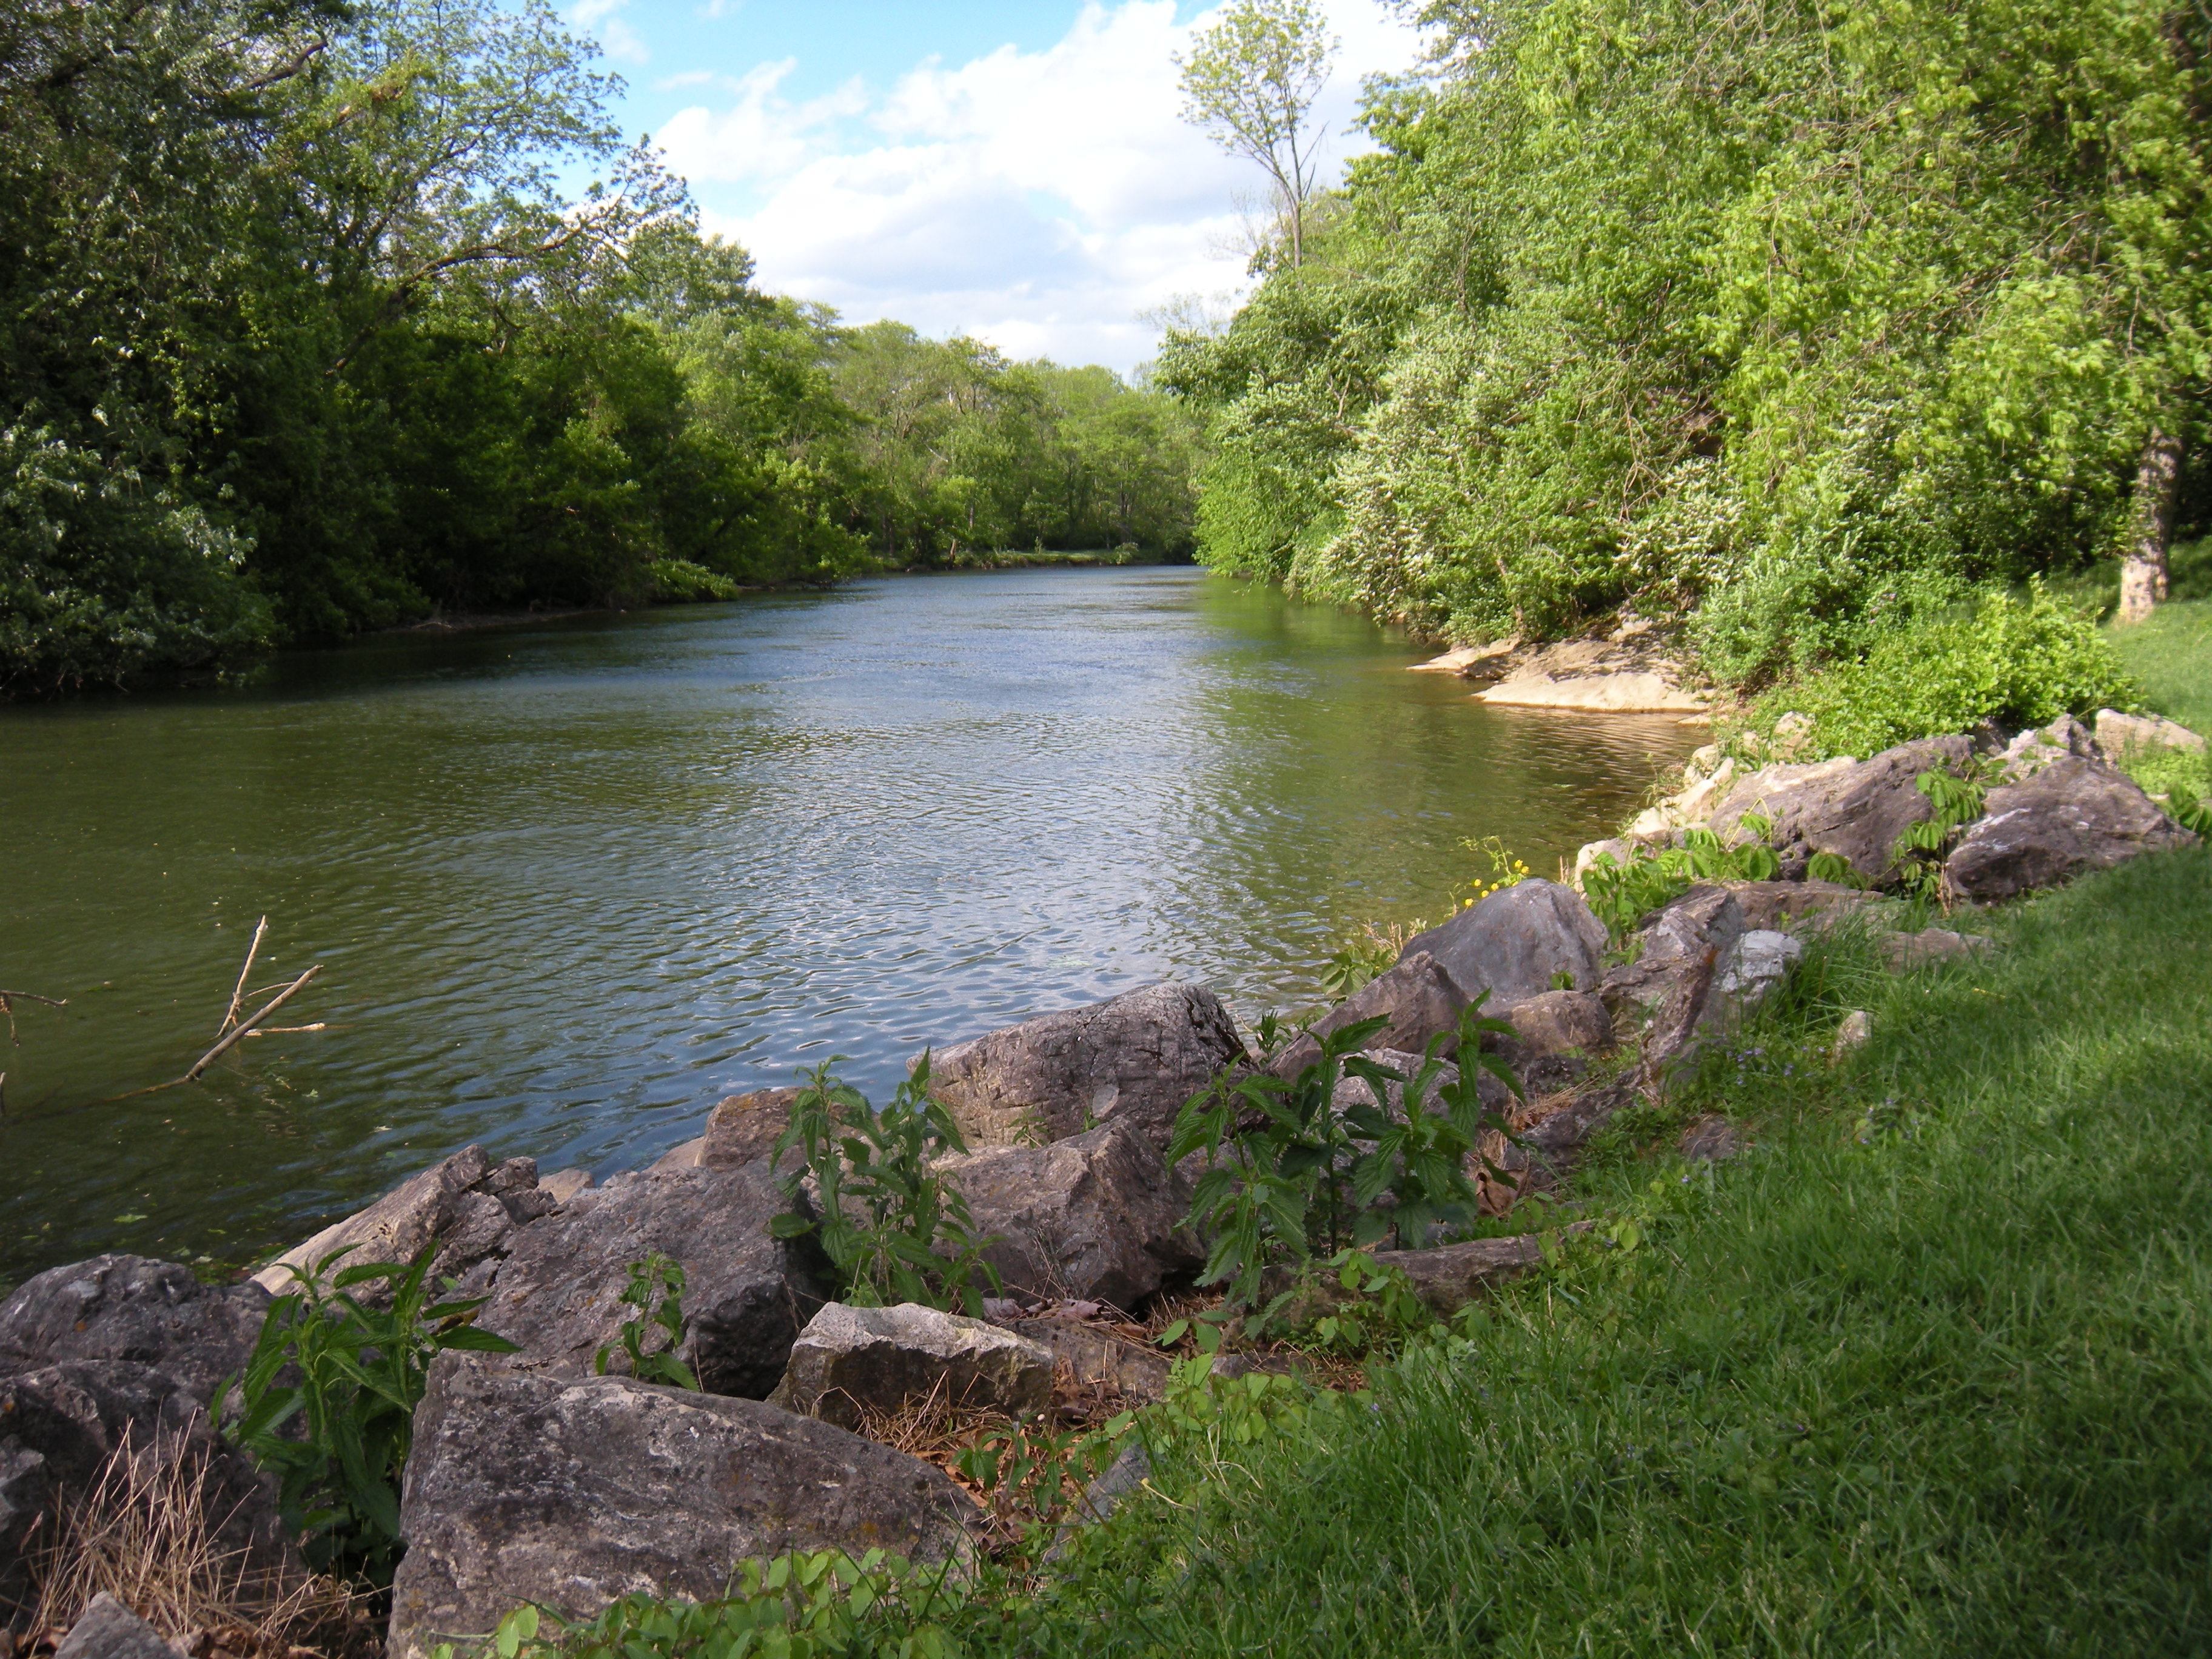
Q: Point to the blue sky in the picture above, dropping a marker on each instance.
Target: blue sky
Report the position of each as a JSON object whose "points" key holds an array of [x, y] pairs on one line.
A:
{"points": [[1013, 171]]}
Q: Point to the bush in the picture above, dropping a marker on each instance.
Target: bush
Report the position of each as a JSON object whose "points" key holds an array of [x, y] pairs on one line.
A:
{"points": [[2021, 662]]}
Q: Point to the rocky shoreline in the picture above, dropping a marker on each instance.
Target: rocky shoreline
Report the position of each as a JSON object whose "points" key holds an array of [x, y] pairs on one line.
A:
{"points": [[534, 1478]]}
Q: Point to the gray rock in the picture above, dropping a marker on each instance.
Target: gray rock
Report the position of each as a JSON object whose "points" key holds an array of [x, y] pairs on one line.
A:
{"points": [[1760, 960], [1096, 1217], [2119, 734], [744, 1129], [849, 1361], [2072, 816], [1791, 906], [2032, 751], [564, 1184], [467, 1205], [558, 1291], [1932, 945], [108, 1630], [1562, 1022], [1094, 1359], [570, 1492], [1852, 1035], [60, 1424], [1855, 810], [1417, 996], [1695, 931], [1621, 850], [1137, 1058], [127, 1306], [1515, 944]]}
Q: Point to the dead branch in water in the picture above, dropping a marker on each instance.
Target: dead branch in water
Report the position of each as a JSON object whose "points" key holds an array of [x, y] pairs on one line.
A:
{"points": [[239, 1032], [277, 1031], [238, 990], [9, 999]]}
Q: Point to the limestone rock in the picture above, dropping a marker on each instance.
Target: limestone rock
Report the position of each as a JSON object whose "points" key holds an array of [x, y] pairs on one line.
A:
{"points": [[851, 1360], [108, 1630], [1562, 1022], [1854, 809], [558, 1292], [1090, 1359], [1610, 694], [744, 1129], [2119, 734], [1932, 945], [2071, 816], [129, 1307], [1788, 906], [1855, 1032], [2065, 738], [1136, 1058], [1760, 960], [1696, 929], [1469, 658], [1096, 1217], [1417, 996], [1515, 944], [564, 1184], [59, 1426], [468, 1204], [1619, 849], [570, 1492]]}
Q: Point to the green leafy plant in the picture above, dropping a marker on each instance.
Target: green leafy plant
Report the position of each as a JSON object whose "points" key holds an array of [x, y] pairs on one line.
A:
{"points": [[1833, 867], [655, 1290], [894, 1230], [1920, 851], [1033, 1473], [1288, 1171], [1621, 893], [354, 1374]]}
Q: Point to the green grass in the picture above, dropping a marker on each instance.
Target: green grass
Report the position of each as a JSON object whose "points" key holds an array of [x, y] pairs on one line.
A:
{"points": [[2172, 655], [1930, 1371]]}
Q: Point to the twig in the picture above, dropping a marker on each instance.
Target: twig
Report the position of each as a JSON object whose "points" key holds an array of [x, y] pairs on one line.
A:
{"points": [[239, 989], [274, 1030], [274, 1003], [9, 999]]}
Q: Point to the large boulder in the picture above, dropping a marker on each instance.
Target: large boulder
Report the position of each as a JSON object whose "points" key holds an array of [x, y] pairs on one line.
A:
{"points": [[468, 1205], [1137, 1058], [60, 1424], [128, 1307], [1517, 944], [851, 1361], [1694, 932], [2070, 816], [570, 1492], [748, 1295], [1095, 1218], [1854, 809], [1418, 997], [742, 1129]]}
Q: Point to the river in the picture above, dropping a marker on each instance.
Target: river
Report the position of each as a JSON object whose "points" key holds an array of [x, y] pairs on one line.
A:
{"points": [[571, 882]]}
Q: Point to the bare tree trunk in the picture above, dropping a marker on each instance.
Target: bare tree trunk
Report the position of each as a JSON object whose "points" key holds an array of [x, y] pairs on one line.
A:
{"points": [[2142, 566]]}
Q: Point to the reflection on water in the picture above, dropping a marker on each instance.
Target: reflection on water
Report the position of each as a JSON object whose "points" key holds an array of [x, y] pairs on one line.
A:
{"points": [[572, 882]]}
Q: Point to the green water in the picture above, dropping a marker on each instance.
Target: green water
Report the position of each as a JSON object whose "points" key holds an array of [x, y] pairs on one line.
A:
{"points": [[572, 883]]}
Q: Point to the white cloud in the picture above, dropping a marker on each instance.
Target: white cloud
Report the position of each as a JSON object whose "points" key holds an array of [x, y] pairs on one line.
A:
{"points": [[603, 19], [1040, 200]]}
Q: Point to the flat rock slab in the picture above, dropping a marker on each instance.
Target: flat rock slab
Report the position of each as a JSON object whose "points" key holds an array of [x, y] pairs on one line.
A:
{"points": [[60, 1424], [1447, 1278], [570, 1492], [1097, 1217], [1595, 694], [129, 1307], [558, 1292], [1790, 905], [2074, 815], [1517, 944], [1137, 1058], [850, 1361], [1089, 1359]]}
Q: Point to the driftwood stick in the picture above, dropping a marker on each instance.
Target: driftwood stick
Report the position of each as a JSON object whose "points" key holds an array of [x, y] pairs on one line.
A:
{"points": [[238, 990], [237, 1033], [273, 1030], [33, 996]]}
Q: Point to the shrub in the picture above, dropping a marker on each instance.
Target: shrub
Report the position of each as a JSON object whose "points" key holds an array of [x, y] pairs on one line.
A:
{"points": [[2021, 662], [883, 1210]]}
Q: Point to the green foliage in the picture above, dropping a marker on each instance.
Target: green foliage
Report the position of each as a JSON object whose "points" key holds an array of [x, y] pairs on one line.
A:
{"points": [[1250, 80], [351, 1374], [822, 1604], [1809, 346], [894, 1229], [1290, 1174], [655, 1290], [1920, 851], [1622, 894], [2019, 663]]}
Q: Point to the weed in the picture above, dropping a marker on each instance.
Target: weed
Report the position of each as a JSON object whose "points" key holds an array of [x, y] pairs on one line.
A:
{"points": [[656, 1292], [894, 1230], [361, 1372], [1621, 894], [1921, 850]]}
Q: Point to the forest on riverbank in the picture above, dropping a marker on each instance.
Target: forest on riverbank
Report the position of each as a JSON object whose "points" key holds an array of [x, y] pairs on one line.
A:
{"points": [[1798, 323], [308, 332]]}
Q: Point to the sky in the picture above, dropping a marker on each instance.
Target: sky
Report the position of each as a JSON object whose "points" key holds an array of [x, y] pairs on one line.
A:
{"points": [[1011, 169]]}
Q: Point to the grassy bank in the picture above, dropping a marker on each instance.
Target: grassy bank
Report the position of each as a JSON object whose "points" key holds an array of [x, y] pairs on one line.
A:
{"points": [[2171, 654], [1929, 1371]]}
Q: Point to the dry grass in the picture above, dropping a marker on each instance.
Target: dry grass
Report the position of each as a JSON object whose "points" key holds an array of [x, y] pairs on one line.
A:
{"points": [[143, 1533]]}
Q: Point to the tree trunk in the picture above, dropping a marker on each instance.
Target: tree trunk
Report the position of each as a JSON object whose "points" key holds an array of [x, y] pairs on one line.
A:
{"points": [[2142, 566]]}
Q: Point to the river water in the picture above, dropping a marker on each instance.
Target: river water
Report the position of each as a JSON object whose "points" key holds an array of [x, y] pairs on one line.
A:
{"points": [[571, 882]]}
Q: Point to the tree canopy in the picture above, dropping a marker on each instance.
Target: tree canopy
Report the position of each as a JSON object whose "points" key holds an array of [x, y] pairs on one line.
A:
{"points": [[1800, 318], [306, 334]]}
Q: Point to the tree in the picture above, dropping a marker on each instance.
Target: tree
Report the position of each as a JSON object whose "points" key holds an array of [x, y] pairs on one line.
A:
{"points": [[1250, 80]]}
